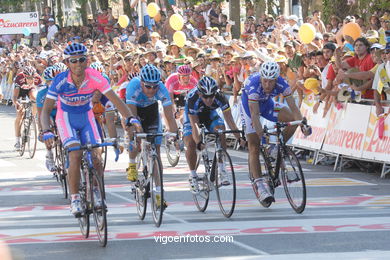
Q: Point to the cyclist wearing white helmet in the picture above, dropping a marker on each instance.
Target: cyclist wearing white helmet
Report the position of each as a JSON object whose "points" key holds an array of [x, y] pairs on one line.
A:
{"points": [[257, 100], [201, 107], [48, 74], [142, 94], [73, 90]]}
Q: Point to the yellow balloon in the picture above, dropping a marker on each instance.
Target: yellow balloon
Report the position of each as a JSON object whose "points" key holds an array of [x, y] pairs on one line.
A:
{"points": [[307, 33], [152, 9], [123, 21], [157, 18], [179, 38], [176, 22]]}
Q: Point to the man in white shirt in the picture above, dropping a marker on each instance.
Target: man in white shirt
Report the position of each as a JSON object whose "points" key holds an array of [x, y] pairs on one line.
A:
{"points": [[52, 29], [293, 27]]}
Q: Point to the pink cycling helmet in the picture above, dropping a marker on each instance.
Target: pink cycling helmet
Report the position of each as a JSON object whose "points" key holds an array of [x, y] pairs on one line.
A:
{"points": [[184, 70]]}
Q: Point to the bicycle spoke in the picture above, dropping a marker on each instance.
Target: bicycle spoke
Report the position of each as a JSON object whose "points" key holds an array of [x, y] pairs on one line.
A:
{"points": [[202, 198]]}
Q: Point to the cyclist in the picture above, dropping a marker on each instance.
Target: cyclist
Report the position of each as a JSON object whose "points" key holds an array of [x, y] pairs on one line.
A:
{"points": [[48, 74], [73, 90], [257, 100], [25, 86], [142, 94], [178, 85], [103, 105], [201, 108]]}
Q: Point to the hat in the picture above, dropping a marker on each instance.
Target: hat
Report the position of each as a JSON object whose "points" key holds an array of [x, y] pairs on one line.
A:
{"points": [[377, 46], [169, 59], [187, 49], [209, 28], [214, 56], [289, 43], [215, 29], [170, 46], [319, 36], [349, 54], [280, 59], [51, 20], [249, 54], [155, 34], [196, 64], [372, 34], [293, 17]]}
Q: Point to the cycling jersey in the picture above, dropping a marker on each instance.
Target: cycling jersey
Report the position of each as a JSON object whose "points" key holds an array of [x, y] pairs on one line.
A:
{"points": [[254, 92], [21, 81], [135, 95], [75, 100], [41, 96], [207, 115], [194, 104], [173, 84]]}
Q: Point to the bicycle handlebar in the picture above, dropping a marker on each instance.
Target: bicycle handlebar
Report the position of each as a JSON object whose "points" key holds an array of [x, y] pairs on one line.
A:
{"points": [[280, 125], [145, 135]]}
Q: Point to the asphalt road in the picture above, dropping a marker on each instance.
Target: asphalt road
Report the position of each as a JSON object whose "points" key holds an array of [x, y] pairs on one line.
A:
{"points": [[347, 215]]}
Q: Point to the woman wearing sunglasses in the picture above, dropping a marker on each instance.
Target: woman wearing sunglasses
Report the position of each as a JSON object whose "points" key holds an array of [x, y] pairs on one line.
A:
{"points": [[75, 119]]}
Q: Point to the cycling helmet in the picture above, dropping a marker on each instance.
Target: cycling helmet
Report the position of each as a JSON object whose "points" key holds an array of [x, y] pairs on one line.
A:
{"points": [[29, 71], [269, 70], [184, 70], [50, 72], [207, 86], [97, 66], [61, 67], [150, 73], [75, 49]]}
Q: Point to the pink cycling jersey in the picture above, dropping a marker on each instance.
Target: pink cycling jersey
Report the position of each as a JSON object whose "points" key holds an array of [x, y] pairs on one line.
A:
{"points": [[173, 84]]}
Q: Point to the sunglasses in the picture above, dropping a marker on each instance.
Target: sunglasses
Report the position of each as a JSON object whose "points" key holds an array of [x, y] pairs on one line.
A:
{"points": [[150, 85], [74, 60], [208, 96]]}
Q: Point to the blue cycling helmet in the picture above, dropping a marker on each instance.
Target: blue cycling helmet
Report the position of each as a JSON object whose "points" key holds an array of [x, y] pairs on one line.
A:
{"points": [[97, 66], [50, 72], [207, 86], [61, 67], [150, 73], [75, 49]]}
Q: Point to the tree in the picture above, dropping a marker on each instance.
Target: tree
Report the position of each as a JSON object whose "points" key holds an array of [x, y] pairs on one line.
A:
{"points": [[83, 10], [234, 8]]}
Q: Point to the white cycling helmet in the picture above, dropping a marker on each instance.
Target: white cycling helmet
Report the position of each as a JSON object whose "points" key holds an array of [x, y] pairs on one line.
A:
{"points": [[269, 70]]}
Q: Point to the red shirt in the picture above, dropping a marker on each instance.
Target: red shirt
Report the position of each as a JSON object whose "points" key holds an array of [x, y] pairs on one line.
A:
{"points": [[20, 81], [331, 74], [364, 64]]}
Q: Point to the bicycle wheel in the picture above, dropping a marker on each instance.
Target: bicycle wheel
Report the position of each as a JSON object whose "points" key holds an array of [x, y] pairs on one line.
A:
{"points": [[293, 180], [63, 171], [202, 198], [99, 207], [173, 155], [32, 137], [141, 196], [157, 205], [225, 183], [24, 130], [84, 219], [266, 169]]}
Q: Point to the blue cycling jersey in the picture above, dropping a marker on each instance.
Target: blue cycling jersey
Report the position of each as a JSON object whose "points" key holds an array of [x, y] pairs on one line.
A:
{"points": [[41, 96], [194, 104], [135, 95], [253, 91]]}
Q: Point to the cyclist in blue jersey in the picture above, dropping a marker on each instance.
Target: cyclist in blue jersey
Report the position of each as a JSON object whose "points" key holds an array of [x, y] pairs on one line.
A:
{"points": [[257, 100], [48, 74], [200, 108], [73, 91], [142, 94]]}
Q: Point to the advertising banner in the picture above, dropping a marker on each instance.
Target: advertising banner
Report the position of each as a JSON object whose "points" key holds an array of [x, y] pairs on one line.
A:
{"points": [[19, 23]]}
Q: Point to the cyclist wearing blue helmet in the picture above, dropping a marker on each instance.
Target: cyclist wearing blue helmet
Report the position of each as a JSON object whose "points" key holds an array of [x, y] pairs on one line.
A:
{"points": [[201, 107], [142, 94], [73, 89]]}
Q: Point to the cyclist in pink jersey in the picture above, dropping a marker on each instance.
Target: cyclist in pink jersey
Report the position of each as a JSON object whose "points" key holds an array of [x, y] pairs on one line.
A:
{"points": [[73, 91], [178, 85]]}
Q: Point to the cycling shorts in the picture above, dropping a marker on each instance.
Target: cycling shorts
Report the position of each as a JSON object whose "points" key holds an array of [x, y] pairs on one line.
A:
{"points": [[150, 120], [77, 128], [210, 119]]}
